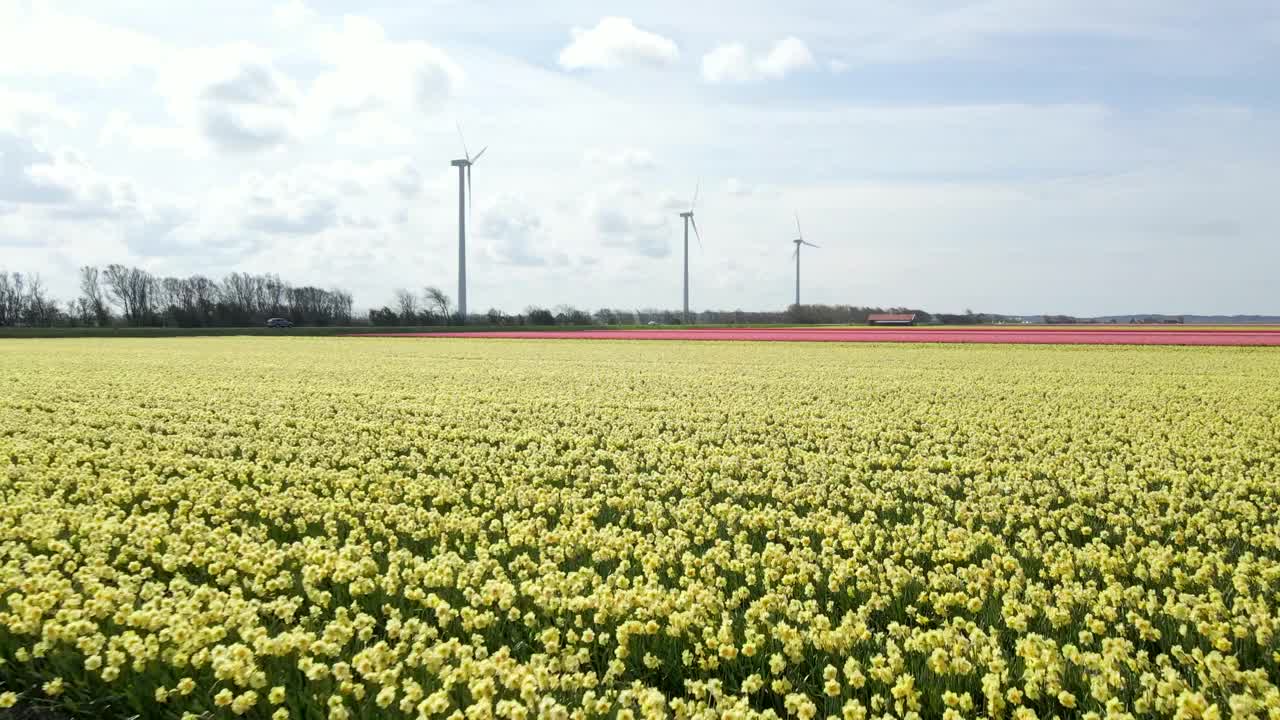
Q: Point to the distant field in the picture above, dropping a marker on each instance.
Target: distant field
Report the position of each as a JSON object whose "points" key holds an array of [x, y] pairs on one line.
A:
{"points": [[155, 332], [366, 528], [1026, 334]]}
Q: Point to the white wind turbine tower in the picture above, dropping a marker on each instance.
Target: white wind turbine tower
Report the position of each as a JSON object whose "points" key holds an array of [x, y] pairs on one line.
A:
{"points": [[799, 241], [464, 205], [688, 220]]}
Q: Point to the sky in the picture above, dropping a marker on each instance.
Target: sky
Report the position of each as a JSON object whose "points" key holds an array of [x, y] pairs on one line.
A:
{"points": [[1020, 156]]}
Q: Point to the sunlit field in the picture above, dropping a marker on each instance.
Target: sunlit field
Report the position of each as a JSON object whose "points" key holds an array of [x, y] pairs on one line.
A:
{"points": [[474, 529]]}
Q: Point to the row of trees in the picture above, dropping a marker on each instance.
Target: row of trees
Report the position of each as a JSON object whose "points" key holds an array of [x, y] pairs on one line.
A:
{"points": [[429, 308], [23, 301], [135, 297], [570, 315]]}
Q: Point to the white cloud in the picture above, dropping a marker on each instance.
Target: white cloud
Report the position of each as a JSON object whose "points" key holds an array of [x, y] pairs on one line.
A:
{"points": [[737, 188], [732, 63], [370, 72], [616, 42], [36, 41], [59, 182], [511, 232], [787, 56], [235, 96], [47, 194], [28, 173], [121, 128], [626, 218], [289, 204], [240, 99], [292, 14], [727, 64], [32, 112], [313, 199], [626, 159], [405, 178]]}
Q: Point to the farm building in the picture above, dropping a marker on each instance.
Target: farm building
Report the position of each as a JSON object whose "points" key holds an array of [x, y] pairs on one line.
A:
{"points": [[891, 319]]}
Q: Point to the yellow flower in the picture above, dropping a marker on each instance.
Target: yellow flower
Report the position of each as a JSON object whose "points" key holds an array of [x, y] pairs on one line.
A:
{"points": [[8, 699], [853, 710], [386, 696], [53, 688], [244, 702]]}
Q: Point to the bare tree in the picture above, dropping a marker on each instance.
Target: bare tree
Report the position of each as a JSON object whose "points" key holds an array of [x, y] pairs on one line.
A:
{"points": [[436, 301], [239, 293], [94, 300], [36, 308], [273, 292], [81, 311], [133, 289], [204, 298], [117, 279], [338, 305], [11, 293], [407, 304]]}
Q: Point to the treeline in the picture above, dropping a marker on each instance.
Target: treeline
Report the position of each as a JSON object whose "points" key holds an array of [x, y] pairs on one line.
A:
{"points": [[430, 308], [123, 295], [118, 294], [841, 314], [796, 314]]}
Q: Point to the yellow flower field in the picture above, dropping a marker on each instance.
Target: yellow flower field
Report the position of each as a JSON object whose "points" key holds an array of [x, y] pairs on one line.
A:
{"points": [[469, 529]]}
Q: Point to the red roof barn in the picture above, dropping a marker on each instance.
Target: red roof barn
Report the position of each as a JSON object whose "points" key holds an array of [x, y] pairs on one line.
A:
{"points": [[891, 319]]}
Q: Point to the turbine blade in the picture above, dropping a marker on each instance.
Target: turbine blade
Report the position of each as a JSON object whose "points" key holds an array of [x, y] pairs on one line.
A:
{"points": [[798, 230], [469, 193], [695, 231], [476, 159], [806, 242], [795, 253], [465, 153], [696, 188]]}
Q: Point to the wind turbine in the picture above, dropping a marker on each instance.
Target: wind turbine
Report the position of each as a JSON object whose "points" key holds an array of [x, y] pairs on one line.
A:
{"points": [[799, 241], [464, 206], [688, 220]]}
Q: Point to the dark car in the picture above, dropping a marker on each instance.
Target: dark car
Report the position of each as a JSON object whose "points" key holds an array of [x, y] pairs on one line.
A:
{"points": [[279, 323]]}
